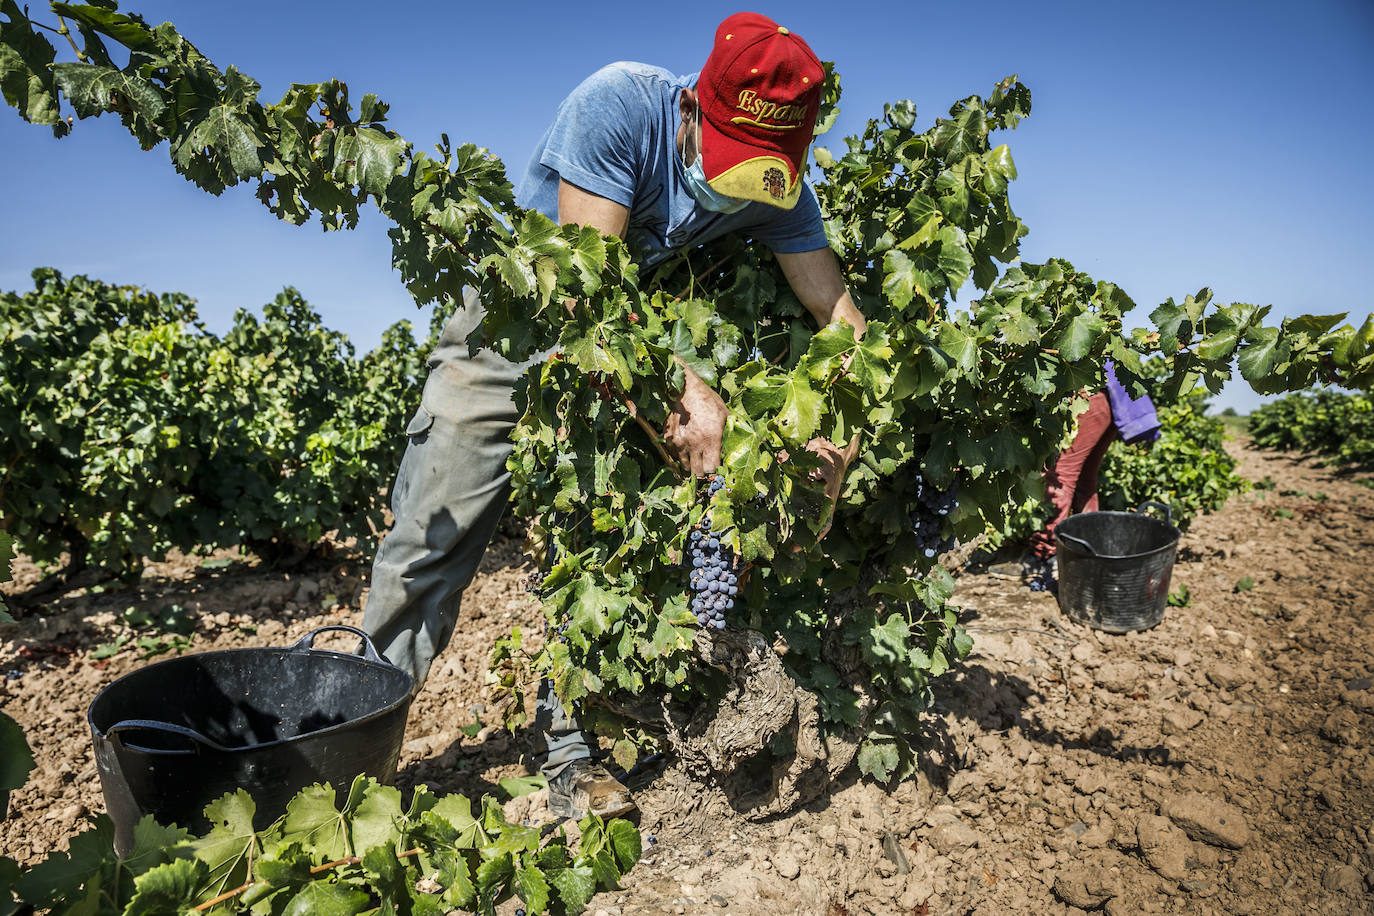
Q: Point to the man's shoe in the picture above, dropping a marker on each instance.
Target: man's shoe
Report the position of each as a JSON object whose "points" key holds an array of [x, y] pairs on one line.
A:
{"points": [[586, 787]]}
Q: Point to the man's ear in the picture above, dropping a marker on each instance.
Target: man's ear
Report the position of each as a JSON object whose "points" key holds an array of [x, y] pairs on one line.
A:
{"points": [[687, 104]]}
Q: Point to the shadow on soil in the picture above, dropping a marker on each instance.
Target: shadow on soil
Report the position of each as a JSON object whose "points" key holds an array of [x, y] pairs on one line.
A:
{"points": [[998, 702], [459, 767]]}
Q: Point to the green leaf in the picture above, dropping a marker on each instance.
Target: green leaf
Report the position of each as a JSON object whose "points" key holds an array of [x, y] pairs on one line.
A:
{"points": [[232, 844], [1312, 325], [25, 80], [531, 886], [151, 842], [1264, 351], [376, 822], [788, 401], [576, 886], [516, 786], [456, 812], [954, 258], [1219, 344], [9, 876], [92, 90], [924, 235], [879, 758], [127, 30], [886, 644], [168, 890], [902, 281], [625, 843], [962, 135], [960, 344], [1077, 339], [227, 130], [493, 873], [314, 820], [16, 760], [1175, 327], [589, 256], [370, 158], [321, 898], [62, 876]]}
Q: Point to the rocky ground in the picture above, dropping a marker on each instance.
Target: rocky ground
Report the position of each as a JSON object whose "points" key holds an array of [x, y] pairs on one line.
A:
{"points": [[1220, 763]]}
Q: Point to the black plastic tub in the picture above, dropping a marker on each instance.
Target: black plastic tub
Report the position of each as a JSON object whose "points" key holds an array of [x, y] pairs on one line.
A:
{"points": [[172, 737], [1115, 567]]}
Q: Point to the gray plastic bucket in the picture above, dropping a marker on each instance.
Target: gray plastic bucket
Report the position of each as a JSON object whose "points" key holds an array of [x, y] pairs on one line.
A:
{"points": [[1115, 567]]}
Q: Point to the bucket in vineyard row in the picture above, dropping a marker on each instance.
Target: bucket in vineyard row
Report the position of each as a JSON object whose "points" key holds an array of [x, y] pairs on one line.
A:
{"points": [[174, 736], [1115, 567]]}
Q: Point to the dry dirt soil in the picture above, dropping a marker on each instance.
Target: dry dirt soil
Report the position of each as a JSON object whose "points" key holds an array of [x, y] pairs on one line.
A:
{"points": [[1220, 763]]}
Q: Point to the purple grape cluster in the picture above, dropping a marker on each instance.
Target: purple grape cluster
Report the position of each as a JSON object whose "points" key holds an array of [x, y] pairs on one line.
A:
{"points": [[928, 517], [534, 583], [715, 574]]}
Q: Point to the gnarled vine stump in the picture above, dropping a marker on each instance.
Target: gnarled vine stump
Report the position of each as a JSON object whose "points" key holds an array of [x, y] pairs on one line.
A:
{"points": [[731, 744]]}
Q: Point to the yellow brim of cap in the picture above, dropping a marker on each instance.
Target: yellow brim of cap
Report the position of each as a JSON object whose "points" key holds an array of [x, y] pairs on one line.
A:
{"points": [[766, 179]]}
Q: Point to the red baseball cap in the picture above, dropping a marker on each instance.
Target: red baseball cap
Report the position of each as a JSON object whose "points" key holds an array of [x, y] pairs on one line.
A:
{"points": [[760, 91]]}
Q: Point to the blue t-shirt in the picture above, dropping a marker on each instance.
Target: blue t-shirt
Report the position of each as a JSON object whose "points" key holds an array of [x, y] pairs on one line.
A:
{"points": [[615, 136]]}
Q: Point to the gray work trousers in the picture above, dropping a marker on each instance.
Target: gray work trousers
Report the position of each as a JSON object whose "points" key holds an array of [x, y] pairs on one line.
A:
{"points": [[450, 492]]}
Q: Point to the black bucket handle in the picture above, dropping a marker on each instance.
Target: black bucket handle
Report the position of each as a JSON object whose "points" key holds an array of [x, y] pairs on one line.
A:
{"points": [[1077, 542], [139, 725], [1152, 503], [365, 648]]}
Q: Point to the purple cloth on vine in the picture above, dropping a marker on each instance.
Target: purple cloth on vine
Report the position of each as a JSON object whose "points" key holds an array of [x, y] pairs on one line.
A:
{"points": [[1135, 418]]}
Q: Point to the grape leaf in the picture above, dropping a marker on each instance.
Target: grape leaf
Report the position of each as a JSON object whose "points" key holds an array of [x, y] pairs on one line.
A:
{"points": [[320, 898], [315, 821], [62, 876], [533, 888], [376, 820], [231, 845], [16, 760], [168, 890]]}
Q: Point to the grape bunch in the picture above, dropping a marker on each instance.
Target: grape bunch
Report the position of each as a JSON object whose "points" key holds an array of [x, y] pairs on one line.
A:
{"points": [[928, 517], [534, 583], [715, 573]]}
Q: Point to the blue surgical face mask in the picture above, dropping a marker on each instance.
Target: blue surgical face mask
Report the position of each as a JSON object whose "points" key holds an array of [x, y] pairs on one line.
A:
{"points": [[706, 195]]}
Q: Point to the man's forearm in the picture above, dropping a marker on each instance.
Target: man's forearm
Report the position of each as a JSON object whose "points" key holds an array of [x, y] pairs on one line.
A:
{"points": [[816, 279]]}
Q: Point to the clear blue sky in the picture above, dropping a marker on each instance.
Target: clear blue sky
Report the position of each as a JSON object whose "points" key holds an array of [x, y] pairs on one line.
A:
{"points": [[1172, 145]]}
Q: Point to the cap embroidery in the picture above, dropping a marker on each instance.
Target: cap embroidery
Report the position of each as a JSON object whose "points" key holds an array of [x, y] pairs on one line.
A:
{"points": [[790, 116], [774, 184]]}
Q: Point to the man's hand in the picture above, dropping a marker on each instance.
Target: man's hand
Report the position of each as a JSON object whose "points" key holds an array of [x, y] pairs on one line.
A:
{"points": [[696, 426], [834, 462]]}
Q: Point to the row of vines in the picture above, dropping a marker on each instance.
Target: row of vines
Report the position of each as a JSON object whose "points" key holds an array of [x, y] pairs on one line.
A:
{"points": [[1339, 426], [131, 429]]}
